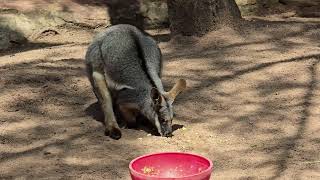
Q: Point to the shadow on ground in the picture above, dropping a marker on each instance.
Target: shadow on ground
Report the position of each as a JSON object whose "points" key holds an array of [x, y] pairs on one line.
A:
{"points": [[44, 124]]}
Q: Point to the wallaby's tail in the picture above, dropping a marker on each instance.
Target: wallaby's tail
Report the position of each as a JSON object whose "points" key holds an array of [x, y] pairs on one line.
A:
{"points": [[151, 58]]}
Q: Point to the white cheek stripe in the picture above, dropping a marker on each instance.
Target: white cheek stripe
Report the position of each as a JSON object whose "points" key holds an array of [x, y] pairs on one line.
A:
{"points": [[157, 123]]}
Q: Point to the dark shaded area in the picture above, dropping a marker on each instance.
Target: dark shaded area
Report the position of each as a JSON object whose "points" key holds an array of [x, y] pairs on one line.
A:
{"points": [[28, 46], [45, 78], [93, 2], [66, 148], [120, 11], [196, 18], [94, 110], [10, 38], [126, 12], [162, 37], [291, 143]]}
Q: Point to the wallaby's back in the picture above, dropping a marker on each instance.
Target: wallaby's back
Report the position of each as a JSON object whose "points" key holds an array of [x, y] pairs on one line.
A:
{"points": [[121, 51]]}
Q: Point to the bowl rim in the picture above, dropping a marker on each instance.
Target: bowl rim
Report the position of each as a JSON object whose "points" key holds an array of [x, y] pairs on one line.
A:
{"points": [[134, 172]]}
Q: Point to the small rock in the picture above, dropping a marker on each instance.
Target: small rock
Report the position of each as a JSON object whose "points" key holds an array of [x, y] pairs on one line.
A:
{"points": [[47, 153]]}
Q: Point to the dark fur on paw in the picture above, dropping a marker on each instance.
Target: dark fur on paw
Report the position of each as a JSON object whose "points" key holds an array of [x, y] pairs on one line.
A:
{"points": [[114, 133]]}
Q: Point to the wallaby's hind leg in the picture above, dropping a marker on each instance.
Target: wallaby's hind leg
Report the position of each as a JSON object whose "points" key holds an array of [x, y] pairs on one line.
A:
{"points": [[90, 76], [105, 100]]}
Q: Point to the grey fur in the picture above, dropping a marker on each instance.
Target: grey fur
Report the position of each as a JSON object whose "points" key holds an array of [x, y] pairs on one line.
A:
{"points": [[131, 64]]}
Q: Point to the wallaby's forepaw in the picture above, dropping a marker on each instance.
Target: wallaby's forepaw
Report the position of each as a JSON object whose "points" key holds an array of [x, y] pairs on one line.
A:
{"points": [[114, 133]]}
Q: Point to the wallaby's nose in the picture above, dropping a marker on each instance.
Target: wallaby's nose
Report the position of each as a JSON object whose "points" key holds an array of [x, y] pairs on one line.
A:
{"points": [[167, 133]]}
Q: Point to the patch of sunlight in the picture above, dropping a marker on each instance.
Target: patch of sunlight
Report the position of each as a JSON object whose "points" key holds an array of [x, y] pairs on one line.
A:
{"points": [[18, 126], [80, 161]]}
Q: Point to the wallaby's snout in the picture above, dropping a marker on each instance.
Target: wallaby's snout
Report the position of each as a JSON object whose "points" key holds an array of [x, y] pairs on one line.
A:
{"points": [[166, 129], [164, 107]]}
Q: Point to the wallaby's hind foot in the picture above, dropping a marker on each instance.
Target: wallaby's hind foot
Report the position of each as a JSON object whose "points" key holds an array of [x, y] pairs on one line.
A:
{"points": [[104, 96], [113, 133]]}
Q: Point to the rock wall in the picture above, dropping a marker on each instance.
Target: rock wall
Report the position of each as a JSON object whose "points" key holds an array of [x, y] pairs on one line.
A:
{"points": [[21, 20]]}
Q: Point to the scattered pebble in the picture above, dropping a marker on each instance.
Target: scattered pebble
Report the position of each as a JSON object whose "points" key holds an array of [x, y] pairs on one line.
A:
{"points": [[47, 153]]}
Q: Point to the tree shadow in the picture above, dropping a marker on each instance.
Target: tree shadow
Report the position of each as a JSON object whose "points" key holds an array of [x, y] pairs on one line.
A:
{"points": [[162, 37], [44, 127], [28, 47]]}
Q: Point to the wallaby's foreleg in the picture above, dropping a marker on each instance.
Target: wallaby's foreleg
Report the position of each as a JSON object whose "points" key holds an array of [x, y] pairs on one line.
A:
{"points": [[104, 96]]}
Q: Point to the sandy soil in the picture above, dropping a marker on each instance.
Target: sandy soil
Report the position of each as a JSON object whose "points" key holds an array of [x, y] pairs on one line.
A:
{"points": [[252, 106]]}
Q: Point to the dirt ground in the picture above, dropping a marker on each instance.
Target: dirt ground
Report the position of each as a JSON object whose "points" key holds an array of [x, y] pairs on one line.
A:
{"points": [[252, 105]]}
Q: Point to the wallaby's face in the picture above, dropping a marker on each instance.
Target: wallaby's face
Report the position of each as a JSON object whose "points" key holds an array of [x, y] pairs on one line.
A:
{"points": [[164, 109], [164, 113]]}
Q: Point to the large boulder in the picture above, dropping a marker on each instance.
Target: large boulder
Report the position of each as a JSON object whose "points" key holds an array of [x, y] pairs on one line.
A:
{"points": [[155, 13]]}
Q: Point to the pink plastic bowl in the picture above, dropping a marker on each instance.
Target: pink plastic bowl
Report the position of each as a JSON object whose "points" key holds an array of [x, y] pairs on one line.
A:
{"points": [[171, 166]]}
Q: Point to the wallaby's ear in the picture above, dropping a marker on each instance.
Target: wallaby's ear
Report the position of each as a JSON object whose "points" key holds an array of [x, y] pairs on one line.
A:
{"points": [[155, 95], [180, 85]]}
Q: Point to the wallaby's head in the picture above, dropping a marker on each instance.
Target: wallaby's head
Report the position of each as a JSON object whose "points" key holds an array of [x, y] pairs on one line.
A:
{"points": [[163, 107]]}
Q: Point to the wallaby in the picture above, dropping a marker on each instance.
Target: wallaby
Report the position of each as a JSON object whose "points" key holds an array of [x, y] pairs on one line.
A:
{"points": [[124, 67]]}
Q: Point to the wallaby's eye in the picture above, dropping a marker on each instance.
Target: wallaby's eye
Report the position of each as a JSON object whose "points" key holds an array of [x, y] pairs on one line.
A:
{"points": [[155, 95], [162, 109], [161, 120]]}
